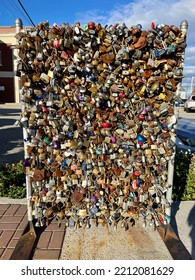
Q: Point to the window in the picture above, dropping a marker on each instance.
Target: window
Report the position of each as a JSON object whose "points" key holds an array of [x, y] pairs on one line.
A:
{"points": [[2, 88]]}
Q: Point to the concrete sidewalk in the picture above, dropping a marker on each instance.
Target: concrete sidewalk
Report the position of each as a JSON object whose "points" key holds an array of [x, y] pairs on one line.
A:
{"points": [[183, 223], [96, 243], [137, 243]]}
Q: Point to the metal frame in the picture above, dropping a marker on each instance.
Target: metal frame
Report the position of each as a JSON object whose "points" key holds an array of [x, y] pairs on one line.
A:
{"points": [[184, 28]]}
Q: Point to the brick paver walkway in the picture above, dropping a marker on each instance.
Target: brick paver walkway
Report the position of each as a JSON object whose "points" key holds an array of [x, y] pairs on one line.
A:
{"points": [[50, 243], [13, 222]]}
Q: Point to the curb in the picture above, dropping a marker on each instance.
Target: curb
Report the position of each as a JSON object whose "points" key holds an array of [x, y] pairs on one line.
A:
{"points": [[8, 200]]}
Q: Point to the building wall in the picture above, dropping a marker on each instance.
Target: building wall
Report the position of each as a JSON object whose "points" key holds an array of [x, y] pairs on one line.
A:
{"points": [[6, 90], [9, 85]]}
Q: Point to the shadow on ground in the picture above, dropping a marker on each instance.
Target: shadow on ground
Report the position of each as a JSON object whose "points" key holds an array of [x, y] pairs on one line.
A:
{"points": [[190, 223], [11, 137], [10, 112]]}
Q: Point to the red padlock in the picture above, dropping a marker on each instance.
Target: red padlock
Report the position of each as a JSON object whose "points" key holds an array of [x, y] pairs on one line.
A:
{"points": [[44, 110], [152, 25], [141, 117], [121, 95], [136, 173], [91, 25], [56, 44], [106, 125]]}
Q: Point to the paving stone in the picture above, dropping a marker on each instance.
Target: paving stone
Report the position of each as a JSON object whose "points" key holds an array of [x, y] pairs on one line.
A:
{"points": [[11, 219], [55, 227], [1, 251], [44, 240], [6, 226], [56, 240], [46, 254], [21, 210], [5, 238], [12, 210], [1, 213], [18, 233], [4, 206], [7, 254], [12, 243], [24, 223]]}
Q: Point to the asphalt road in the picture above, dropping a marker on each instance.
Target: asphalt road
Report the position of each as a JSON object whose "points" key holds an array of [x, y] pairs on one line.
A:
{"points": [[11, 136]]}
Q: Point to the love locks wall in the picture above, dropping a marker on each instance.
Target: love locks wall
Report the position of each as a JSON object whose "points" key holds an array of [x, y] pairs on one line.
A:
{"points": [[98, 121]]}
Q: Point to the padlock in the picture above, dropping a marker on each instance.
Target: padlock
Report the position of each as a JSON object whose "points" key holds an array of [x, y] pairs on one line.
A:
{"points": [[99, 118]]}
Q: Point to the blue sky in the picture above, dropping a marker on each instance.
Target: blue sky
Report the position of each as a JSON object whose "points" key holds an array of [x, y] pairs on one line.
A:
{"points": [[131, 12]]}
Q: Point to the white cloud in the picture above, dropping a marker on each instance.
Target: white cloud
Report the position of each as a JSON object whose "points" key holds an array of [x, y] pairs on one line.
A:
{"points": [[145, 12]]}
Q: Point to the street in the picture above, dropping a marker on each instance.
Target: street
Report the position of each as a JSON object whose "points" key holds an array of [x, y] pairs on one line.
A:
{"points": [[183, 114], [11, 139]]}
